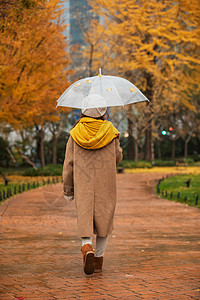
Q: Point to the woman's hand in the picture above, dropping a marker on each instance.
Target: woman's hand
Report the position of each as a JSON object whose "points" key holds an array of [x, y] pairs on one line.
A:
{"points": [[69, 198]]}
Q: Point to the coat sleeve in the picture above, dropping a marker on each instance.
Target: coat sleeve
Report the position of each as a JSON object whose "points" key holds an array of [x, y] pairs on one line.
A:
{"points": [[118, 150], [67, 175]]}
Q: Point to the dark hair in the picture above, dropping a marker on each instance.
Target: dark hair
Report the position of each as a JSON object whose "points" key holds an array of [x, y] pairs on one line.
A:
{"points": [[104, 117]]}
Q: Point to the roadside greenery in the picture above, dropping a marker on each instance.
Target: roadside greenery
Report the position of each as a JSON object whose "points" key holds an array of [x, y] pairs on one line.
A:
{"points": [[49, 170], [18, 184], [130, 164], [175, 188], [23, 179]]}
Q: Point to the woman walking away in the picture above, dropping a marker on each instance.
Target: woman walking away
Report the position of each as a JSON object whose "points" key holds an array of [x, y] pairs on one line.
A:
{"points": [[89, 177]]}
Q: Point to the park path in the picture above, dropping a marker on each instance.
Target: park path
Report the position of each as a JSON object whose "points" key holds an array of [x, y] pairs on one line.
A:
{"points": [[153, 252]]}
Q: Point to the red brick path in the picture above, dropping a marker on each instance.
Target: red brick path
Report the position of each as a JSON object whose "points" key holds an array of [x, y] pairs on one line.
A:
{"points": [[153, 252]]}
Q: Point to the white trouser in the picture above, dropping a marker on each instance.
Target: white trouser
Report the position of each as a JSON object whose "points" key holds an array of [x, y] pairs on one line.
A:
{"points": [[101, 244]]}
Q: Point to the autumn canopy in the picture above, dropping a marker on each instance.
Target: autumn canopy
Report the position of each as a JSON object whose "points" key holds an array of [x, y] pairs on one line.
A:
{"points": [[154, 44]]}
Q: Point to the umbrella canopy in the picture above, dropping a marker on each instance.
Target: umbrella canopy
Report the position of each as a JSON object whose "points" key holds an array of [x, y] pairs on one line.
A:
{"points": [[116, 91]]}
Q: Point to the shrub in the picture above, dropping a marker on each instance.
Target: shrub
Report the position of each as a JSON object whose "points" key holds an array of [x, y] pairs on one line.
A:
{"points": [[130, 164], [189, 161], [163, 163], [49, 170]]}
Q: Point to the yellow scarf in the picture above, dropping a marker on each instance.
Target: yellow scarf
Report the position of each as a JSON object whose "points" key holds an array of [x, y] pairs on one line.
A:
{"points": [[91, 133]]}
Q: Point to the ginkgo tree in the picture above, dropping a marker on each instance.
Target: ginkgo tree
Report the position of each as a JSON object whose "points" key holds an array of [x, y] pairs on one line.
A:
{"points": [[155, 44], [34, 64]]}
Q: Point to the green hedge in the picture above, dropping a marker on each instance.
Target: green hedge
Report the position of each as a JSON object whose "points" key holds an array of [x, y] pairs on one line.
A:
{"points": [[170, 163], [189, 161], [130, 164], [163, 163], [49, 170]]}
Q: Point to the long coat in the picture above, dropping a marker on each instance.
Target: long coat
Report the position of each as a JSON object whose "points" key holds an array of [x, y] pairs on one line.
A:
{"points": [[90, 175]]}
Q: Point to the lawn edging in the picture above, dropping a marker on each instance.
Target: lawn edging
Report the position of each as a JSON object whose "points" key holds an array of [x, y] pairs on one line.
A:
{"points": [[185, 197], [11, 190]]}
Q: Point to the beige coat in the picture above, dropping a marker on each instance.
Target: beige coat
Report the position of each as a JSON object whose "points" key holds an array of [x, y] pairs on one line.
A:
{"points": [[90, 175]]}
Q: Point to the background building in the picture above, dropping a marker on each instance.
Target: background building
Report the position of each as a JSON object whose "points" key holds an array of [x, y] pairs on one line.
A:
{"points": [[78, 16]]}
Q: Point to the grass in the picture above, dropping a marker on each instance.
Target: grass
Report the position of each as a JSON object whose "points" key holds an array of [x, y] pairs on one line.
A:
{"points": [[17, 180], [18, 184], [176, 184]]}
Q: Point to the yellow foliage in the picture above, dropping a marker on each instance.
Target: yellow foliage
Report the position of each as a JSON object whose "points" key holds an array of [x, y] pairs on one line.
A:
{"points": [[19, 179], [34, 63], [166, 170], [160, 39]]}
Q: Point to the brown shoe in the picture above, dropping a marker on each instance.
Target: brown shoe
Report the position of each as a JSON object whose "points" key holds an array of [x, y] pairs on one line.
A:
{"points": [[98, 263], [88, 259]]}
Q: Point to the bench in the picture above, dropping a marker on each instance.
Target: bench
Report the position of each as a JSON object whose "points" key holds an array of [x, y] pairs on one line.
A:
{"points": [[180, 163]]}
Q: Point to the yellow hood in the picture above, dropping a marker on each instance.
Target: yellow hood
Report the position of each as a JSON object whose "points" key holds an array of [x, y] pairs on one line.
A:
{"points": [[90, 133]]}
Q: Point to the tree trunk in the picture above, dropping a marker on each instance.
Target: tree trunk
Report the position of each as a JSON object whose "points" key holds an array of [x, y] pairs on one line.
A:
{"points": [[28, 160], [136, 149], [148, 137], [56, 134], [55, 142], [173, 149], [130, 140], [37, 156], [159, 151], [148, 131], [186, 145], [11, 155], [186, 149], [136, 144], [130, 136], [42, 159], [23, 141], [91, 59], [152, 152], [198, 145]]}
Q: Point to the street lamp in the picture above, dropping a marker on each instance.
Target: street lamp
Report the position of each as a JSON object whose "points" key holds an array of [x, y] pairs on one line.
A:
{"points": [[126, 134]]}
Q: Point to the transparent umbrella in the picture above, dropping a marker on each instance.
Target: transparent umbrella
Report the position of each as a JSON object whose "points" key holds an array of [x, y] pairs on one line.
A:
{"points": [[116, 91]]}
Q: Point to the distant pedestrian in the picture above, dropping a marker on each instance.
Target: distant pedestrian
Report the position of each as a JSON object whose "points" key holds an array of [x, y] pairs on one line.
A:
{"points": [[89, 177]]}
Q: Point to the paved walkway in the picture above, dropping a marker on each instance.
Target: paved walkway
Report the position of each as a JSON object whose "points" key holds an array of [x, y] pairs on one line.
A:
{"points": [[153, 252]]}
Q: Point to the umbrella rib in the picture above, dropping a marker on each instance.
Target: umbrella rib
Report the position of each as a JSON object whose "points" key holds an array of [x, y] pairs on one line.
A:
{"points": [[115, 89], [61, 98], [93, 83]]}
